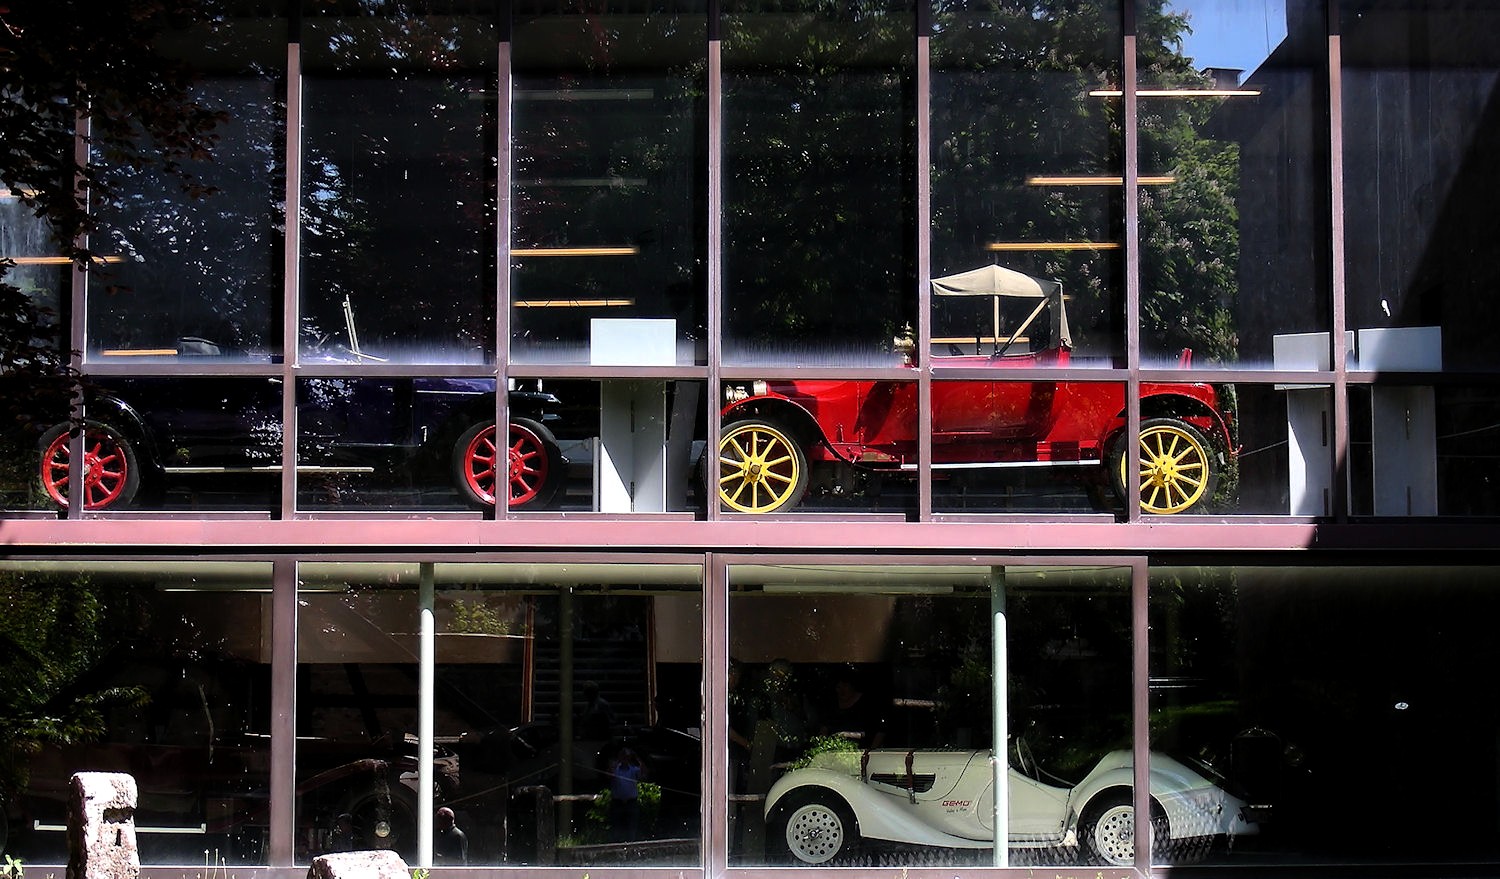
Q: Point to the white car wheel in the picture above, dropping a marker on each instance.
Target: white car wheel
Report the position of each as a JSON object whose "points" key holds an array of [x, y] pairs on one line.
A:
{"points": [[817, 832], [1112, 838], [1107, 830]]}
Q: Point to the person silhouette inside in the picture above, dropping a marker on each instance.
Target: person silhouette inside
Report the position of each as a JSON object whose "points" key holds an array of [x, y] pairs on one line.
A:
{"points": [[450, 845]]}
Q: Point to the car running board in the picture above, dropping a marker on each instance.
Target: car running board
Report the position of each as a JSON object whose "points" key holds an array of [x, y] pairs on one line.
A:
{"points": [[1006, 465]]}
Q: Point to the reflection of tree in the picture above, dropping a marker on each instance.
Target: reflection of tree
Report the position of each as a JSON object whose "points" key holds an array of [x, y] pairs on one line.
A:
{"points": [[398, 195], [201, 267], [54, 631], [819, 158], [608, 151], [1012, 100], [101, 59]]}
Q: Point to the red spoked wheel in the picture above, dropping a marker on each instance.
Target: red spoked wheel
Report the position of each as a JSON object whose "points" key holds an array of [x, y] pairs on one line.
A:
{"points": [[111, 473], [531, 465]]}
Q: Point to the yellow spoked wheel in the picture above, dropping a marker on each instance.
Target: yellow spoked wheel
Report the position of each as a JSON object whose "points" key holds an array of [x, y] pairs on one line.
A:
{"points": [[1176, 471], [761, 469]]}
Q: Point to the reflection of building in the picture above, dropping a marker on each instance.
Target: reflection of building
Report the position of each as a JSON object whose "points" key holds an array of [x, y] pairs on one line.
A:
{"points": [[289, 610]]}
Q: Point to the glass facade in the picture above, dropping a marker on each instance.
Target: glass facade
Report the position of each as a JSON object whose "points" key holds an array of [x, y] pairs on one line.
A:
{"points": [[1103, 425]]}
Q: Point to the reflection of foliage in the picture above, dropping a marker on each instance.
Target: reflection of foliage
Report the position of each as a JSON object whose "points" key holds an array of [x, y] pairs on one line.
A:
{"points": [[1011, 99], [62, 59], [596, 820], [819, 151], [54, 631], [474, 617], [823, 745]]}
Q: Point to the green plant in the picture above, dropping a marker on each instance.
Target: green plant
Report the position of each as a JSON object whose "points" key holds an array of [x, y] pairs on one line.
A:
{"points": [[824, 745], [12, 868], [420, 873], [474, 618], [650, 797]]}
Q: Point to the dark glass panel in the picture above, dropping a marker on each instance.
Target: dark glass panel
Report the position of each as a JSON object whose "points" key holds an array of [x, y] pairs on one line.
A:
{"points": [[1424, 451], [1295, 684], [1026, 166], [399, 176], [1421, 120], [885, 691], [387, 443], [194, 271], [819, 134], [160, 670], [609, 194], [1234, 182]]}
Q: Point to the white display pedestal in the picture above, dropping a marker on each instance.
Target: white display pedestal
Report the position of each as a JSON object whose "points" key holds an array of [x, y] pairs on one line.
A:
{"points": [[636, 467], [1403, 420]]}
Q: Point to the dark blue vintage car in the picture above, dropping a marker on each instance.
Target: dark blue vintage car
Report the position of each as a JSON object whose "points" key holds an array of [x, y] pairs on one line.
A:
{"points": [[141, 432]]}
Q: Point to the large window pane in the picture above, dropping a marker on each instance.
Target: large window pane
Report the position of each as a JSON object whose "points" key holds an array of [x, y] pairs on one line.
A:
{"points": [[167, 443], [161, 670], [187, 275], [1027, 446], [611, 446], [1421, 122], [1419, 450], [1234, 181], [566, 711], [863, 735], [398, 195], [819, 445], [1307, 690], [819, 142], [394, 443], [33, 397], [609, 200], [1026, 170], [357, 717]]}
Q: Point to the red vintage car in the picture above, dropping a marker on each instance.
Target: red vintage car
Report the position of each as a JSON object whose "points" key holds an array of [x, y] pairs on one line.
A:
{"points": [[774, 430]]}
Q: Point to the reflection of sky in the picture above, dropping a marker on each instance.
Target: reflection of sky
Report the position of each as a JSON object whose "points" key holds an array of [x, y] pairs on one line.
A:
{"points": [[1232, 33]]}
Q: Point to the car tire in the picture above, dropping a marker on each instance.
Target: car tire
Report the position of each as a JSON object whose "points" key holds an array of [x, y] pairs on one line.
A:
{"points": [[1177, 467], [367, 811], [762, 468], [534, 469], [1106, 831], [112, 473], [812, 827]]}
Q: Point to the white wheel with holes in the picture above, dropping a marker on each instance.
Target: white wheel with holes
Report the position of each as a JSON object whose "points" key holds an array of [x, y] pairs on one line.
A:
{"points": [[815, 829]]}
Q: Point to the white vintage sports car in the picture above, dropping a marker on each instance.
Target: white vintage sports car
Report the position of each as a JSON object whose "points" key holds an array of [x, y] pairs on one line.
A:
{"points": [[945, 798]]}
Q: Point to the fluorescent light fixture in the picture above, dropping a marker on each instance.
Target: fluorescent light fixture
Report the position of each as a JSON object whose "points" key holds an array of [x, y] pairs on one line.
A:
{"points": [[1179, 93], [1025, 246], [572, 303], [138, 352], [55, 260], [855, 588], [576, 251], [1094, 180], [18, 193]]}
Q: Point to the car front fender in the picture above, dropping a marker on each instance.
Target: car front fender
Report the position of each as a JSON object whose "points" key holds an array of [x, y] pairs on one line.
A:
{"points": [[878, 814]]}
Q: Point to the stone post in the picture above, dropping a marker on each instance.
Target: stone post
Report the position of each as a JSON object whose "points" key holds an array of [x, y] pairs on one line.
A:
{"points": [[101, 827], [380, 864]]}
